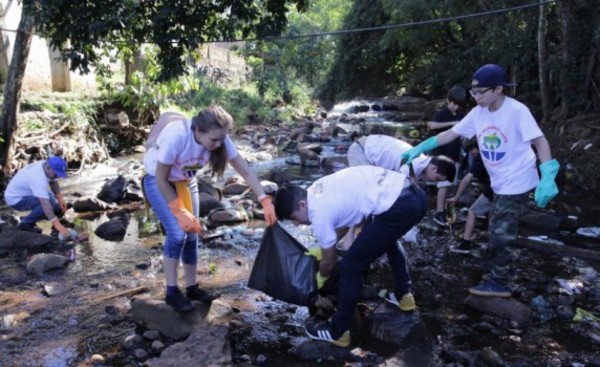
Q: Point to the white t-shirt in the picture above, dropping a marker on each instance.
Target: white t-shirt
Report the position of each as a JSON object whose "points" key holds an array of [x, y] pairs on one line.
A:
{"points": [[504, 139], [30, 180], [345, 198], [176, 146], [385, 151]]}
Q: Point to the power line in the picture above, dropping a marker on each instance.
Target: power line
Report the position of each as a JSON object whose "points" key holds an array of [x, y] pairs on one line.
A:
{"points": [[380, 28], [403, 25]]}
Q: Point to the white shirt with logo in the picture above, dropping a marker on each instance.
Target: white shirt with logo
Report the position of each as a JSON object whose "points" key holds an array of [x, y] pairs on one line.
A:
{"points": [[385, 151], [30, 180], [345, 198], [177, 147], [504, 138]]}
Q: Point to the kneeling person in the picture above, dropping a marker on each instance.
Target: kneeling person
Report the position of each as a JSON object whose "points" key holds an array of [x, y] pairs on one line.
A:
{"points": [[344, 199]]}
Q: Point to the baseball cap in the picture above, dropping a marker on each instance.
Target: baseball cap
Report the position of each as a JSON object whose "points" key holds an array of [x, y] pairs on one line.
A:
{"points": [[58, 165], [491, 75]]}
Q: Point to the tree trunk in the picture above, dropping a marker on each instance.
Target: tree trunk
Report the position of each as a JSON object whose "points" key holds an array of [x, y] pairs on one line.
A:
{"points": [[12, 90], [543, 70], [567, 21]]}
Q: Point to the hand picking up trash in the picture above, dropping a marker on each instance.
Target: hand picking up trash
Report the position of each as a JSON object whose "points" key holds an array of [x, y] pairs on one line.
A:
{"points": [[72, 235]]}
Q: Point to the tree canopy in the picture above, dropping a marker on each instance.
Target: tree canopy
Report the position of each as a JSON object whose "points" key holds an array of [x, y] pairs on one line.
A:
{"points": [[83, 29], [429, 58]]}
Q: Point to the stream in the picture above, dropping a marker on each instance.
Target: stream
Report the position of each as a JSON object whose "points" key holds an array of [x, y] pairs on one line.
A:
{"points": [[62, 318]]}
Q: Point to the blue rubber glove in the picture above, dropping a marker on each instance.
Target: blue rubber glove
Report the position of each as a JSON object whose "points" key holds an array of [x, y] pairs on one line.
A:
{"points": [[425, 146], [320, 280], [546, 190]]}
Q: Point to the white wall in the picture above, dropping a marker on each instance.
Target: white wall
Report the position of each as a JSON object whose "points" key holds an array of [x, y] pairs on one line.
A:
{"points": [[38, 72], [38, 75]]}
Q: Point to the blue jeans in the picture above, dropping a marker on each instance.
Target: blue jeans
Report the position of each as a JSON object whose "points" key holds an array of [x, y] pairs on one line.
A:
{"points": [[178, 243], [379, 237], [37, 212]]}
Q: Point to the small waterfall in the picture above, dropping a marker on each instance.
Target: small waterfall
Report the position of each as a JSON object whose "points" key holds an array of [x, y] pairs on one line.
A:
{"points": [[395, 117]]}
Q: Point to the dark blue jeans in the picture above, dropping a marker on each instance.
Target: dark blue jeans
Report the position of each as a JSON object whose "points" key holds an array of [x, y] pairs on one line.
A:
{"points": [[37, 212], [178, 243], [379, 237]]}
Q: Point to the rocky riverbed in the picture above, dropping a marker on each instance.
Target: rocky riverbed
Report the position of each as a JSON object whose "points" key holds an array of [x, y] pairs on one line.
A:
{"points": [[99, 302]]}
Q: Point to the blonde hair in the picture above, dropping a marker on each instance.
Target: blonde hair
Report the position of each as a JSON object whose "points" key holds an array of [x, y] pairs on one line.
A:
{"points": [[214, 117]]}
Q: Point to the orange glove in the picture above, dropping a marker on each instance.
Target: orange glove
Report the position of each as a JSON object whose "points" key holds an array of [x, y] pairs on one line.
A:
{"points": [[61, 201], [268, 210], [186, 220], [60, 228]]}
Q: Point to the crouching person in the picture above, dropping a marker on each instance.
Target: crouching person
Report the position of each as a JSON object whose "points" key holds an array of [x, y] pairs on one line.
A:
{"points": [[344, 199]]}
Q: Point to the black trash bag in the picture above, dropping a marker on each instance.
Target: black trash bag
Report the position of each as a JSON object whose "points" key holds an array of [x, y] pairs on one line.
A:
{"points": [[282, 270]]}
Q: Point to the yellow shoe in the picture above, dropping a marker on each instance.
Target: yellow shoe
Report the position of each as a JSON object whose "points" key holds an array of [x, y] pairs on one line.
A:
{"points": [[406, 303], [324, 331]]}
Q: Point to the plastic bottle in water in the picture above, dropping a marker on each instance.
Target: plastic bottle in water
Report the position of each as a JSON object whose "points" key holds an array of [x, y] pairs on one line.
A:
{"points": [[72, 235]]}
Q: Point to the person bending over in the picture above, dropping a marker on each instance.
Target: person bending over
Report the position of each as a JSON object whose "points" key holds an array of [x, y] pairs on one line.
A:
{"points": [[343, 199]]}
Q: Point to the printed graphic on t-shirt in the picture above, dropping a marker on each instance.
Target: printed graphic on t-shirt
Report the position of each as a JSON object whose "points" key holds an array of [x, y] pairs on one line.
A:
{"points": [[493, 148], [189, 170], [317, 188]]}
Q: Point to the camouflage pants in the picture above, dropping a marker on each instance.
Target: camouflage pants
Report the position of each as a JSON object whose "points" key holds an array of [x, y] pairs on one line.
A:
{"points": [[503, 227]]}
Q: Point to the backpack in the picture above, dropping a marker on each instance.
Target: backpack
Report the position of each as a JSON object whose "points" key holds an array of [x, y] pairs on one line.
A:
{"points": [[163, 120]]}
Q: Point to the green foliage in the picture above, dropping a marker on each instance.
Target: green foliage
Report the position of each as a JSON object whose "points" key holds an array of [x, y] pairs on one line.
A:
{"points": [[362, 66], [85, 29], [427, 59], [244, 105], [77, 110], [145, 94], [289, 69]]}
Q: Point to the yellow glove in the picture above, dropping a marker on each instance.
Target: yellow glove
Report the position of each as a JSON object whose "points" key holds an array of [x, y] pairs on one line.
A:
{"points": [[316, 252], [268, 210], [320, 280], [186, 220]]}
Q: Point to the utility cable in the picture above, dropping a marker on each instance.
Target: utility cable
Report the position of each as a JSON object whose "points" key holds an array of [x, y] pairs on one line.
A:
{"points": [[380, 28]]}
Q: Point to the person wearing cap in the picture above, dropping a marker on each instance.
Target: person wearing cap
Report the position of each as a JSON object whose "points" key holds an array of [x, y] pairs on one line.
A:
{"points": [[35, 188], [505, 131]]}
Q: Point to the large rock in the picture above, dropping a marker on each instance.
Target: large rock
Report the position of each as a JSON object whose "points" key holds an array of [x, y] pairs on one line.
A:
{"points": [[157, 315], [204, 186], [206, 346], [317, 350], [404, 329], [548, 222], [113, 191], [90, 204], [506, 308], [112, 230], [237, 188], [46, 262], [227, 216], [12, 274], [208, 203], [14, 238]]}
